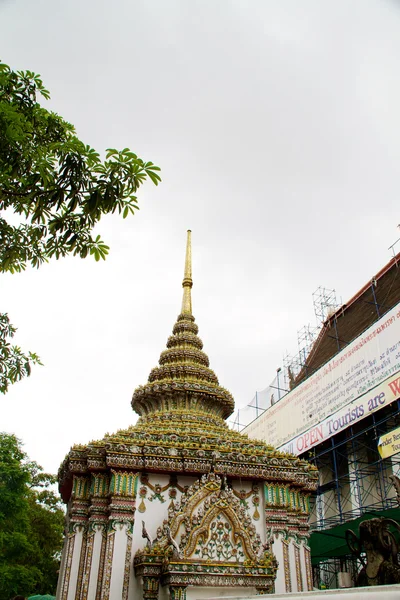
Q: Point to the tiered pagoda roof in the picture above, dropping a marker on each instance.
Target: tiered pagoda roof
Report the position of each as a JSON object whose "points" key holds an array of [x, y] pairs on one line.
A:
{"points": [[182, 427], [183, 380]]}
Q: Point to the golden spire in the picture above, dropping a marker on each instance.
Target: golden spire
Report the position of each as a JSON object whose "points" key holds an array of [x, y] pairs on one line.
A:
{"points": [[187, 282], [183, 379]]}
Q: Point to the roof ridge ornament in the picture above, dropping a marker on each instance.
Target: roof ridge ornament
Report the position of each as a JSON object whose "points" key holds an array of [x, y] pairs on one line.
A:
{"points": [[187, 282]]}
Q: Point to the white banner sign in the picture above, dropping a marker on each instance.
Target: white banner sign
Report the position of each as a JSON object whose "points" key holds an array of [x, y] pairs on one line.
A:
{"points": [[328, 400], [383, 394]]}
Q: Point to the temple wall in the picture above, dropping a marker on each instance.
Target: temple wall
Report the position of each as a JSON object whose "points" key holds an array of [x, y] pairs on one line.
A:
{"points": [[294, 575], [256, 511], [152, 508], [106, 532]]}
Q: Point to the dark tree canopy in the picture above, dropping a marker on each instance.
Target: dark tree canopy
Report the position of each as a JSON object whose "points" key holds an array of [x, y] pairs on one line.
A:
{"points": [[31, 524], [54, 189]]}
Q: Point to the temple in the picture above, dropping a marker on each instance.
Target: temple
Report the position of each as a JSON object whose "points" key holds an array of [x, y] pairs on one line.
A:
{"points": [[178, 505]]}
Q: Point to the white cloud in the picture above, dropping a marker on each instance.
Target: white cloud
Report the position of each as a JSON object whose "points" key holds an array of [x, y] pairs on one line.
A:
{"points": [[276, 127]]}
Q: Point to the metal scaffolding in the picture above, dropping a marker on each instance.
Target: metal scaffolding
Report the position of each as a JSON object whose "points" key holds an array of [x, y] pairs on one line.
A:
{"points": [[325, 574], [354, 479], [325, 303]]}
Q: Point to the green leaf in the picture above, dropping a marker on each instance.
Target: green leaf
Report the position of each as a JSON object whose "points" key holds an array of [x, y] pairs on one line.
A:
{"points": [[154, 177]]}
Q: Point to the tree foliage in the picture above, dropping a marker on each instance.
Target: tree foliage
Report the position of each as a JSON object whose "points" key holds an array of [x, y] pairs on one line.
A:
{"points": [[54, 189], [57, 185], [14, 364], [31, 524]]}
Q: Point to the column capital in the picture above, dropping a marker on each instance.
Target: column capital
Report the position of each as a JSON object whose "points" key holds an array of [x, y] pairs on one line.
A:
{"points": [[177, 592]]}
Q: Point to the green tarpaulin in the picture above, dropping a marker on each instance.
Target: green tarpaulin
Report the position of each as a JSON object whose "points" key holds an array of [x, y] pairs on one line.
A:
{"points": [[331, 543]]}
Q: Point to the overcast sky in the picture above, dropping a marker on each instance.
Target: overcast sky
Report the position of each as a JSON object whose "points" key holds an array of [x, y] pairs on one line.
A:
{"points": [[276, 124]]}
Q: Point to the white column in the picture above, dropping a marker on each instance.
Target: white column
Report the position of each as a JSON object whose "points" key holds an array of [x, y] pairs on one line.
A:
{"points": [[65, 570], [96, 538], [306, 554], [280, 587], [95, 551], [118, 558], [77, 563], [72, 568], [292, 563], [122, 561]]}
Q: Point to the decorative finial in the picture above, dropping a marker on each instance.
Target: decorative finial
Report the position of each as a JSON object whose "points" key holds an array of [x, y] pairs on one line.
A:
{"points": [[187, 282]]}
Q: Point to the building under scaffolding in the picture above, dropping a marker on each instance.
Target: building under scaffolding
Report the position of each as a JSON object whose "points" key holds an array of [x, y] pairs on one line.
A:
{"points": [[355, 483], [354, 479]]}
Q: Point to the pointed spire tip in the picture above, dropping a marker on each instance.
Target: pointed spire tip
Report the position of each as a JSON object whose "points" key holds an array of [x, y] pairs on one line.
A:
{"points": [[187, 282]]}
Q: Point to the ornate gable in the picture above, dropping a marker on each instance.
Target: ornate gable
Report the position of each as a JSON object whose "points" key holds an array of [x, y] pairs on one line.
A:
{"points": [[210, 523], [208, 539]]}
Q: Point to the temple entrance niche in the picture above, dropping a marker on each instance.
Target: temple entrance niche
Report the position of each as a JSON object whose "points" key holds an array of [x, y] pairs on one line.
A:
{"points": [[208, 540]]}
